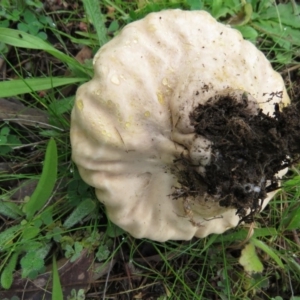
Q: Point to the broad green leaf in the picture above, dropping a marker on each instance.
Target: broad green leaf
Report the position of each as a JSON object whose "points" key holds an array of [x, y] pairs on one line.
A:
{"points": [[81, 211], [113, 230], [261, 5], [4, 131], [62, 106], [248, 32], [284, 14], [46, 183], [42, 252], [224, 11], [216, 6], [57, 293], [22, 39], [7, 274], [102, 253], [18, 86], [114, 26], [10, 210], [194, 4], [3, 140], [31, 265], [27, 246], [78, 247], [7, 236], [47, 216], [292, 222], [250, 261], [55, 234], [30, 232], [69, 251], [92, 8], [22, 27], [264, 247], [13, 141], [283, 36]]}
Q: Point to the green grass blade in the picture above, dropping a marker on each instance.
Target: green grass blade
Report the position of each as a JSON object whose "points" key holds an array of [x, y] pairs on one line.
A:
{"points": [[22, 39], [46, 183], [179, 279], [7, 274], [242, 233], [261, 245], [92, 9], [81, 211], [57, 293], [17, 87]]}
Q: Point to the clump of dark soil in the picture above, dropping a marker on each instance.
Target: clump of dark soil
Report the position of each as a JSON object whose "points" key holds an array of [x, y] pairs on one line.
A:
{"points": [[248, 150]]}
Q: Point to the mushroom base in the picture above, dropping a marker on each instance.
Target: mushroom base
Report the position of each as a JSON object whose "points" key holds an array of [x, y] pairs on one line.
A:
{"points": [[248, 150]]}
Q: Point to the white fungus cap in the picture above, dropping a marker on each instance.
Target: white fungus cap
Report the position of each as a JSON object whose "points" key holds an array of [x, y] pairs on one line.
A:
{"points": [[132, 120]]}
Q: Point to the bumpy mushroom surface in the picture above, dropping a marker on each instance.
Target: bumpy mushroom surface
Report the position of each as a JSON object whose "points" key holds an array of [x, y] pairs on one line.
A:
{"points": [[134, 130]]}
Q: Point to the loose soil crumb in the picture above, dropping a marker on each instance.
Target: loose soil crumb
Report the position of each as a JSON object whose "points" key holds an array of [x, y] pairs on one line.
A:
{"points": [[249, 149]]}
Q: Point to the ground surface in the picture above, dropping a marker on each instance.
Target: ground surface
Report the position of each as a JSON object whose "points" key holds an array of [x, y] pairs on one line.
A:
{"points": [[249, 148]]}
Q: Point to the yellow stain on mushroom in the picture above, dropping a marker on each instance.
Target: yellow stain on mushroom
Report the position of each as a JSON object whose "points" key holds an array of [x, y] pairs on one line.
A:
{"points": [[115, 80], [160, 98], [119, 116], [105, 133], [79, 104], [152, 27], [165, 81], [147, 114], [104, 69], [97, 92], [110, 103]]}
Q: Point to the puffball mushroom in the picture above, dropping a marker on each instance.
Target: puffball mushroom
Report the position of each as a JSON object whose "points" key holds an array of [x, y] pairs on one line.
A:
{"points": [[134, 128]]}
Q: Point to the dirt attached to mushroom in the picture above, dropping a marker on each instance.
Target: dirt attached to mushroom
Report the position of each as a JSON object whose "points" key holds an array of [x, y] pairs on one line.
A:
{"points": [[249, 148]]}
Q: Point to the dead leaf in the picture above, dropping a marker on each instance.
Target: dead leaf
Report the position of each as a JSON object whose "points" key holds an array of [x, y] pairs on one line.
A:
{"points": [[14, 111], [77, 275], [25, 188], [83, 26], [111, 11], [138, 296], [242, 17], [84, 54], [101, 269]]}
